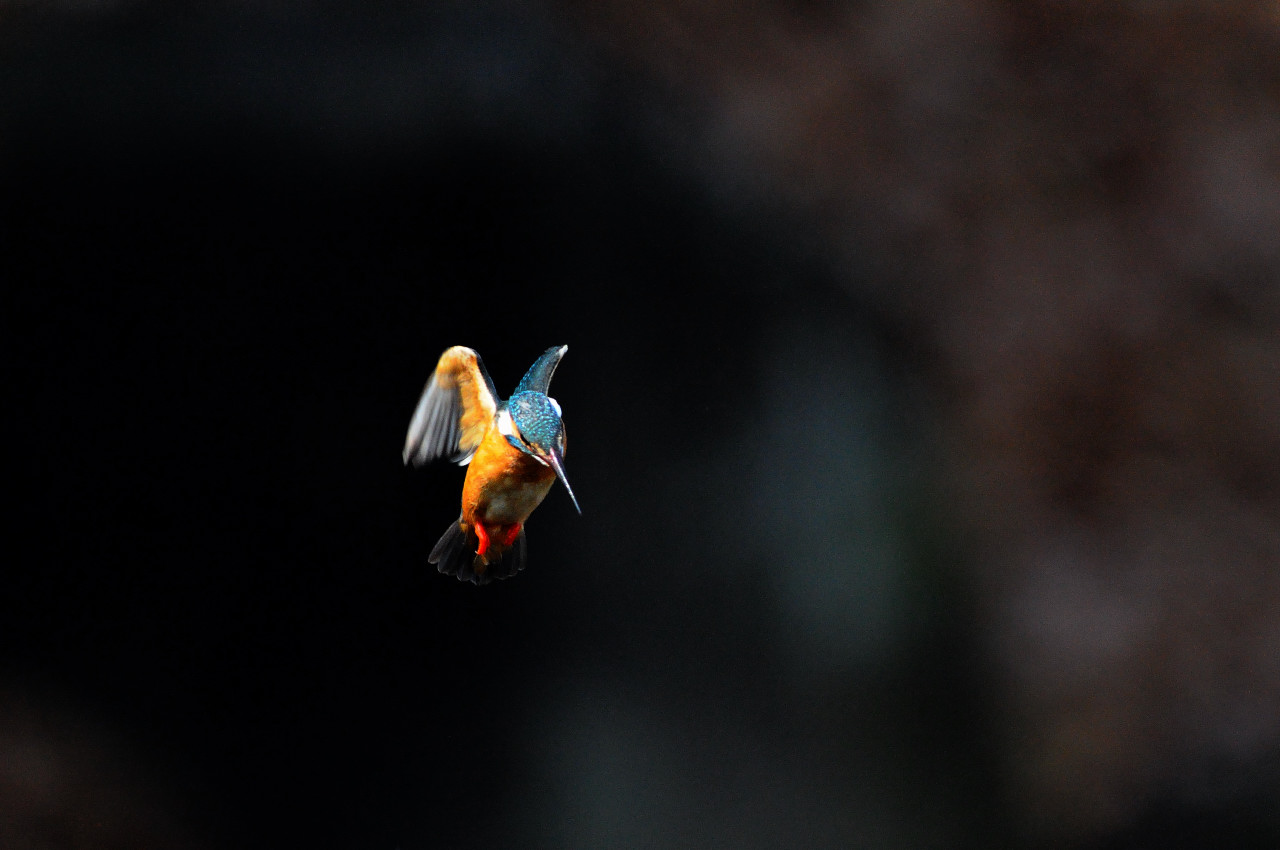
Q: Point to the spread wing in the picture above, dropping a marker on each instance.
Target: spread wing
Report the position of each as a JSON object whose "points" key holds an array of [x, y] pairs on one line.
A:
{"points": [[455, 411]]}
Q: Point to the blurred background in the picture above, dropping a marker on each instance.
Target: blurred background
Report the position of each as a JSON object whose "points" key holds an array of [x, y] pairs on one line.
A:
{"points": [[923, 394]]}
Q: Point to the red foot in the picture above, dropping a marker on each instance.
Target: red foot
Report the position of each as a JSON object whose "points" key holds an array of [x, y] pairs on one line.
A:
{"points": [[505, 538]]}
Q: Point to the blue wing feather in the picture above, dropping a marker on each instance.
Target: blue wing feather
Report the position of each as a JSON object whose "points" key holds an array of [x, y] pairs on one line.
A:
{"points": [[538, 378]]}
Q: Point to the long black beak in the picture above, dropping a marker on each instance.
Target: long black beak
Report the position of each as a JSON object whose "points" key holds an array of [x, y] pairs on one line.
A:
{"points": [[557, 463]]}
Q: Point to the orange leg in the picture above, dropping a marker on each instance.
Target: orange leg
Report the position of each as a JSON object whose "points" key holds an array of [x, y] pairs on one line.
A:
{"points": [[484, 538], [512, 533]]}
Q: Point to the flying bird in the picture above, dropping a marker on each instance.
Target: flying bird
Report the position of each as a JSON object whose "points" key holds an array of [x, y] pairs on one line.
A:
{"points": [[513, 450]]}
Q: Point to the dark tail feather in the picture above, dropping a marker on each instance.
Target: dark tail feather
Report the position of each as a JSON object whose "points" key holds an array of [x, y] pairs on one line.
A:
{"points": [[512, 562], [455, 555]]}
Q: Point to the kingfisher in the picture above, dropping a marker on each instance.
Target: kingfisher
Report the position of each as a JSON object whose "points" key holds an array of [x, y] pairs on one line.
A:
{"points": [[513, 451]]}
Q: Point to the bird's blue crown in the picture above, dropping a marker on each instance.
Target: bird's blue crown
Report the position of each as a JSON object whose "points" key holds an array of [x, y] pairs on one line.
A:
{"points": [[537, 416]]}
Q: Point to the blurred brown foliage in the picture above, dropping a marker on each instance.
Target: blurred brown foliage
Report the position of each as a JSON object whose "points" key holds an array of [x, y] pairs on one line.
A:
{"points": [[1076, 206]]}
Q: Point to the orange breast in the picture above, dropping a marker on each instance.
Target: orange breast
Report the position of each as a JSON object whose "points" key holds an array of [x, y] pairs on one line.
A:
{"points": [[503, 484]]}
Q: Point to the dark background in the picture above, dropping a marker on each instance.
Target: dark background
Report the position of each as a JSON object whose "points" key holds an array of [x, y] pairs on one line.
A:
{"points": [[922, 401]]}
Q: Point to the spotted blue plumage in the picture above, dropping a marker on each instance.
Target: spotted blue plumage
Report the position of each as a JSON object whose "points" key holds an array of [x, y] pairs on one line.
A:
{"points": [[537, 421], [539, 430]]}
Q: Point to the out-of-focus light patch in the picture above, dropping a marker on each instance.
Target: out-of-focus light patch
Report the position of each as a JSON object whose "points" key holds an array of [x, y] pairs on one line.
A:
{"points": [[67, 779], [1073, 614], [822, 499], [620, 766]]}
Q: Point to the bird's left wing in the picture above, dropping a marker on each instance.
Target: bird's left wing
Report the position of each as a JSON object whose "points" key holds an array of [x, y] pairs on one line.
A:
{"points": [[455, 411]]}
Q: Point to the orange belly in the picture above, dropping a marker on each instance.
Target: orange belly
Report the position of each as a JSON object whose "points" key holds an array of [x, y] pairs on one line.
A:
{"points": [[502, 488]]}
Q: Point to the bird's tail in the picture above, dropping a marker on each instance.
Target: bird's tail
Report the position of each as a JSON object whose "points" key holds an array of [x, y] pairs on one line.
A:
{"points": [[455, 555]]}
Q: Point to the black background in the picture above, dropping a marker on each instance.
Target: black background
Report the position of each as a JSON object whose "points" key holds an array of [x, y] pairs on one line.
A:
{"points": [[223, 314]]}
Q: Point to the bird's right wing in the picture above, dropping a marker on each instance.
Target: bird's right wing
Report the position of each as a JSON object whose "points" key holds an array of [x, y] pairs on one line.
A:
{"points": [[455, 412]]}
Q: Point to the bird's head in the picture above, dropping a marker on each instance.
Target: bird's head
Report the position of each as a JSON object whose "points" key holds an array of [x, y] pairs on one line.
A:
{"points": [[532, 420]]}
